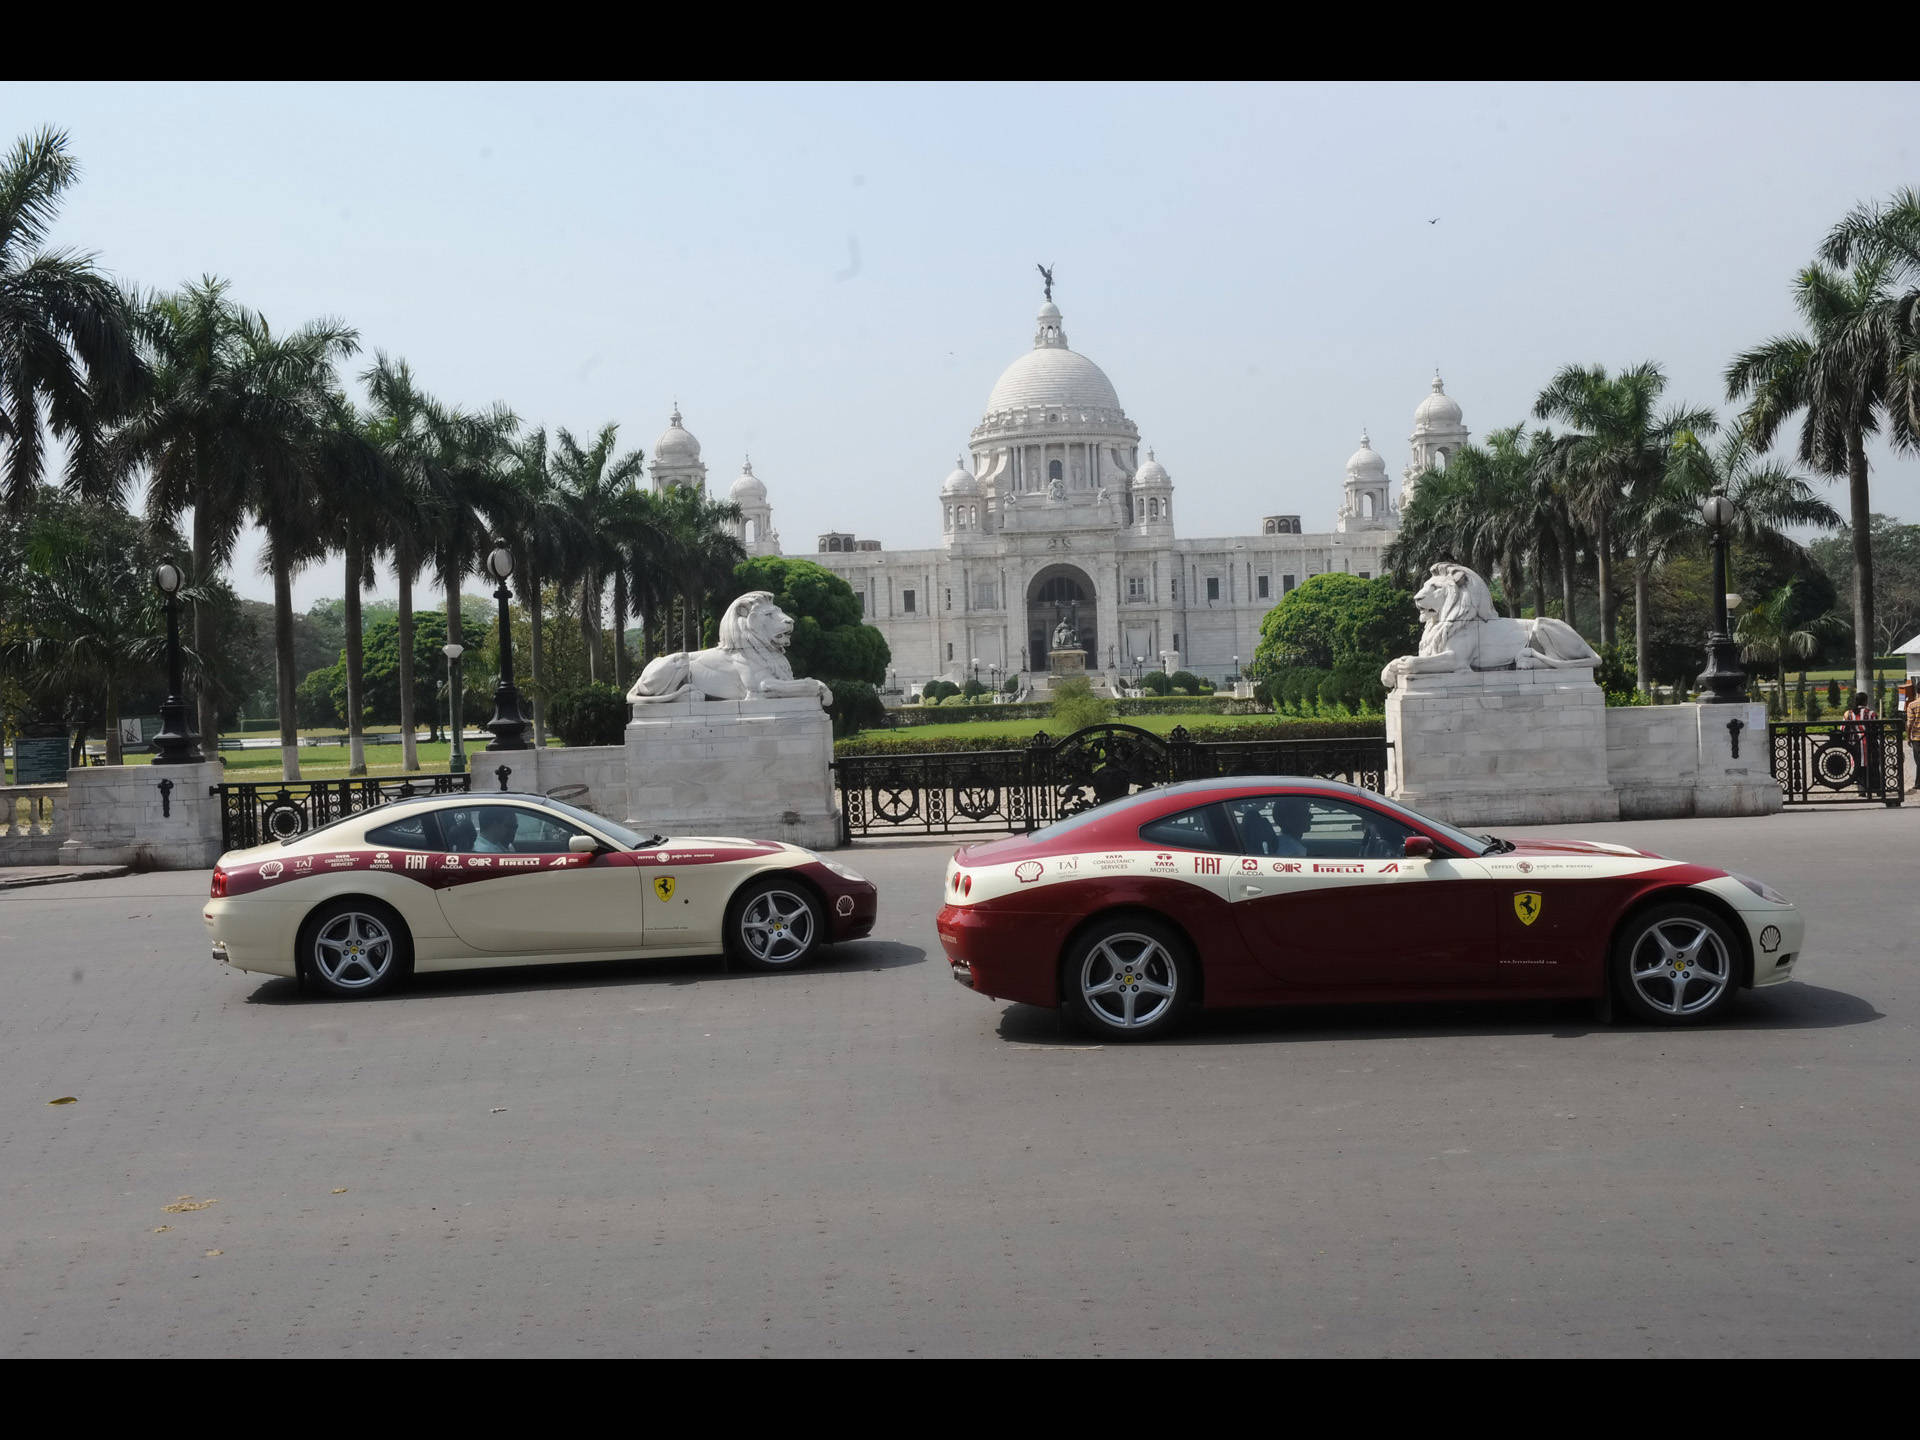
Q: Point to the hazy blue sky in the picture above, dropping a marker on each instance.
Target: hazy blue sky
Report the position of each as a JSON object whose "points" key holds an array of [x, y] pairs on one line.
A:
{"points": [[832, 278]]}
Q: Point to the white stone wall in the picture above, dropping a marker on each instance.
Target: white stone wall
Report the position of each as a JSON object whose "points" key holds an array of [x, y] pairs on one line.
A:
{"points": [[757, 768], [116, 816]]}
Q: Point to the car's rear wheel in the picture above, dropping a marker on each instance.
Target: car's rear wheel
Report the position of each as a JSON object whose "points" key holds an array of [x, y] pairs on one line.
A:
{"points": [[774, 924], [1676, 964], [353, 948], [1128, 978]]}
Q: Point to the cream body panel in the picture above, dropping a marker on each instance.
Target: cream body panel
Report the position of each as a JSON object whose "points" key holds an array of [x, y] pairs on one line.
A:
{"points": [[571, 909]]}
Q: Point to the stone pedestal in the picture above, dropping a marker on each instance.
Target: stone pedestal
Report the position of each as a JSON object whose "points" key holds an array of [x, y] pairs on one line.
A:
{"points": [[1068, 662], [1501, 747], [1677, 760], [117, 815], [757, 768]]}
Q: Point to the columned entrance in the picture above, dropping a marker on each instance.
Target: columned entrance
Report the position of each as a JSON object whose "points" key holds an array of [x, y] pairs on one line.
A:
{"points": [[1054, 594]]}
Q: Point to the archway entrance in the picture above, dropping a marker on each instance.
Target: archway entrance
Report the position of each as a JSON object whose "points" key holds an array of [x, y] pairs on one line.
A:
{"points": [[1061, 592]]}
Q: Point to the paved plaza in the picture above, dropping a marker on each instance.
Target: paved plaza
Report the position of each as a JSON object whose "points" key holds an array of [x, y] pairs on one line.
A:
{"points": [[669, 1159]]}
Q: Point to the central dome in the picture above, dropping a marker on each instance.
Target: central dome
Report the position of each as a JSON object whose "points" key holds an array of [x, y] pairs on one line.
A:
{"points": [[1053, 379]]}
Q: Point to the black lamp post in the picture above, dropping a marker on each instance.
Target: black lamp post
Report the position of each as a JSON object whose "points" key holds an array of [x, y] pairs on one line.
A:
{"points": [[509, 722], [456, 723], [176, 744], [1723, 682]]}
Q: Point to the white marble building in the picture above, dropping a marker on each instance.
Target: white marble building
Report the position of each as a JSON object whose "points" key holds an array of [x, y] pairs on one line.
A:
{"points": [[1057, 513]]}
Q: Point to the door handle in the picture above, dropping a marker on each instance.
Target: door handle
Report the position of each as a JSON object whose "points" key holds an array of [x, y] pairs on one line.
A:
{"points": [[1252, 889]]}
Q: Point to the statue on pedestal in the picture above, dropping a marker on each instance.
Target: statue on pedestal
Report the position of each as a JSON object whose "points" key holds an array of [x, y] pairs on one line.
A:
{"points": [[1464, 634], [749, 663]]}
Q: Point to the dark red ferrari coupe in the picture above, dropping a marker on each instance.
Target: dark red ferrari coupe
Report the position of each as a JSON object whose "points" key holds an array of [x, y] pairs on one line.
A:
{"points": [[1275, 891]]}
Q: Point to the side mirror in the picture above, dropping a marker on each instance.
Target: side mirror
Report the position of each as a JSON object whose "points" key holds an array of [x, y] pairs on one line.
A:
{"points": [[1419, 847], [584, 845]]}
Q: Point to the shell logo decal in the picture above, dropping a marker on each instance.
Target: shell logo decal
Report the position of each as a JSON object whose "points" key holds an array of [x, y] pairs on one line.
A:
{"points": [[1028, 871]]}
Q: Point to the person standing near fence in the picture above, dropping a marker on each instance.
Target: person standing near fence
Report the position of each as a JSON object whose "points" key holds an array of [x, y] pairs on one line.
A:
{"points": [[1866, 752], [1910, 707]]}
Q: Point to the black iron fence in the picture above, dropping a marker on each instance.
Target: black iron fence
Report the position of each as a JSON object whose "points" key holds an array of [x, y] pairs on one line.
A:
{"points": [[1839, 762], [254, 813], [1048, 779]]}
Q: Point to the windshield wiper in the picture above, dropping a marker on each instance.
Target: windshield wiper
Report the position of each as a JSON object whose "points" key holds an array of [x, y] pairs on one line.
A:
{"points": [[1495, 845]]}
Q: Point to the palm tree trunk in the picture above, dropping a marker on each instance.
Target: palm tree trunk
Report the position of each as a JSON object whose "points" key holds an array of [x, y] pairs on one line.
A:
{"points": [[115, 755], [356, 664], [620, 629], [283, 668], [1539, 592], [1569, 609], [1640, 678], [456, 672], [1862, 561], [536, 659], [209, 717], [1603, 569], [409, 742]]}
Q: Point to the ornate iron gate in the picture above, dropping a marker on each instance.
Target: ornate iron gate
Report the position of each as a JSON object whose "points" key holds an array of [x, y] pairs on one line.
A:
{"points": [[252, 814], [1839, 762], [995, 791]]}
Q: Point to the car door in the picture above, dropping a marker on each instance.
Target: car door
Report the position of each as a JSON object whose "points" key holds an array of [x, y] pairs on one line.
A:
{"points": [[1328, 901], [521, 891]]}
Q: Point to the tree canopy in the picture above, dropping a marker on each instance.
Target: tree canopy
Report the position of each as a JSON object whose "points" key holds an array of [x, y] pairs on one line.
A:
{"points": [[830, 641]]}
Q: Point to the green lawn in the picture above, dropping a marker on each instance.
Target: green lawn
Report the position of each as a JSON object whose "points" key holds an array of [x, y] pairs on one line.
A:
{"points": [[1020, 730]]}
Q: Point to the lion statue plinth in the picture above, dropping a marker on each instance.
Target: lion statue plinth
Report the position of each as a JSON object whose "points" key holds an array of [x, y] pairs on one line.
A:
{"points": [[749, 663], [1464, 633]]}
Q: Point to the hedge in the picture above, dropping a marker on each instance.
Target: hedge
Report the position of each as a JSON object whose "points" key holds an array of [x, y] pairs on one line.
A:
{"points": [[881, 742], [906, 716]]}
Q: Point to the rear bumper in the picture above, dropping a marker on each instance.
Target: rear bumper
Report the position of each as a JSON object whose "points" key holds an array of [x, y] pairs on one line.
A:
{"points": [[1008, 957], [249, 936]]}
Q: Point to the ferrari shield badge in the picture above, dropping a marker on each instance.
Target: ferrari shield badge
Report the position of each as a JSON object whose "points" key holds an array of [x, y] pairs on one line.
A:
{"points": [[1526, 905], [663, 886]]}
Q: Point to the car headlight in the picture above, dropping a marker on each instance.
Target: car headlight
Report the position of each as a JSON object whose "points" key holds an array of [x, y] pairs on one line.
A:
{"points": [[843, 872], [1765, 891]]}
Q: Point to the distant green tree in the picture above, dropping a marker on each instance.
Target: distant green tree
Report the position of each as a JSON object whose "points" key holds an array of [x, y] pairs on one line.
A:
{"points": [[1075, 706], [830, 641], [1337, 619]]}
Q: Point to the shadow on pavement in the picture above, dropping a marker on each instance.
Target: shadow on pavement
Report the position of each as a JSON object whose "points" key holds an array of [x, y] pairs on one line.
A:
{"points": [[850, 956], [1792, 1006]]}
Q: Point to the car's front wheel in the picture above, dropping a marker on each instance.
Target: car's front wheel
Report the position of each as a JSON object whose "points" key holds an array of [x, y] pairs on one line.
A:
{"points": [[354, 948], [1676, 964], [775, 925], [1128, 978]]}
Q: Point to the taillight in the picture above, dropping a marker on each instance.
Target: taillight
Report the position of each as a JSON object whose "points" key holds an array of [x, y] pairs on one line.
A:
{"points": [[218, 889], [966, 884]]}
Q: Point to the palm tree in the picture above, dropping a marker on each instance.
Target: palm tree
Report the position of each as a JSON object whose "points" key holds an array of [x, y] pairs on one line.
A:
{"points": [[533, 513], [1615, 453], [1844, 374], [1769, 631], [298, 405], [1891, 232], [214, 418], [66, 348], [397, 426], [702, 550], [595, 480], [369, 501]]}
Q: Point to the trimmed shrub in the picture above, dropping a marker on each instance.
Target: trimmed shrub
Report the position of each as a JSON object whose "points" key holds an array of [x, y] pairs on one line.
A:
{"points": [[589, 715], [856, 706], [905, 742], [1075, 706], [1157, 682], [937, 690]]}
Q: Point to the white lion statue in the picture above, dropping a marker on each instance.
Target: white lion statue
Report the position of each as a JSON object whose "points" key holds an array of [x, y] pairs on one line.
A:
{"points": [[1463, 632], [749, 663]]}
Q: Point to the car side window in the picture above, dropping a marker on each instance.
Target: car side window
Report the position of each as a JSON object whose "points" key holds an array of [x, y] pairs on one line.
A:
{"points": [[1269, 824], [1203, 828], [1343, 830], [504, 829], [415, 832]]}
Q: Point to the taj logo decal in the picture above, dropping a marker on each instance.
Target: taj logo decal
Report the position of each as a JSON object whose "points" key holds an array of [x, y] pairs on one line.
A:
{"points": [[1526, 904], [663, 886], [1028, 871]]}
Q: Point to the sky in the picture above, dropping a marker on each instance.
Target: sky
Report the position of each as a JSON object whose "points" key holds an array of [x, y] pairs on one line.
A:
{"points": [[832, 277]]}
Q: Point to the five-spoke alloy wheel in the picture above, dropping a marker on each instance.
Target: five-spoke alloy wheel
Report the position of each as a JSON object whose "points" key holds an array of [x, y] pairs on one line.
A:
{"points": [[354, 948], [774, 924], [1676, 964], [1127, 978]]}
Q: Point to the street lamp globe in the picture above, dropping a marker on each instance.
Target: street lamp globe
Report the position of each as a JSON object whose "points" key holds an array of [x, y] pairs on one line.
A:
{"points": [[167, 578], [453, 652], [500, 561], [1718, 512]]}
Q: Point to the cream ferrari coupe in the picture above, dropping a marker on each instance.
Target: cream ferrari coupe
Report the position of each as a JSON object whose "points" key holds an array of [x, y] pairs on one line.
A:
{"points": [[452, 882]]}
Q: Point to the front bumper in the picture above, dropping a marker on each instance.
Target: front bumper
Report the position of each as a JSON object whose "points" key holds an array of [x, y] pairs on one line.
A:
{"points": [[852, 905]]}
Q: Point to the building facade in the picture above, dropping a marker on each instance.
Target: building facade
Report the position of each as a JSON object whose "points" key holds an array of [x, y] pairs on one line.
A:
{"points": [[1058, 514]]}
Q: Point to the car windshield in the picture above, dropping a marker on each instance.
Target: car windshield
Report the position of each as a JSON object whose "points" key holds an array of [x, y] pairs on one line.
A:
{"points": [[631, 839], [1472, 844]]}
